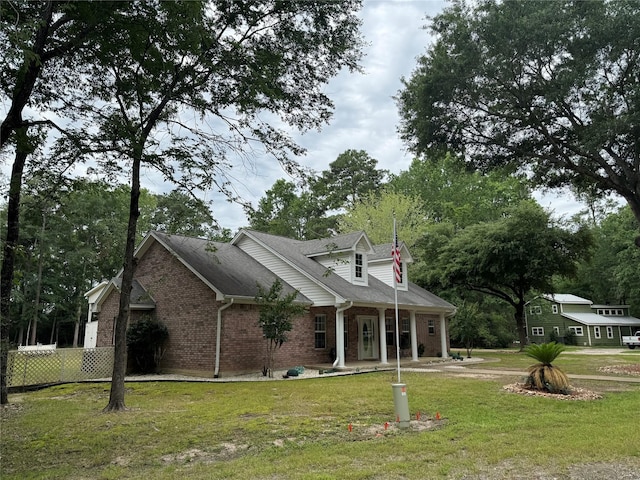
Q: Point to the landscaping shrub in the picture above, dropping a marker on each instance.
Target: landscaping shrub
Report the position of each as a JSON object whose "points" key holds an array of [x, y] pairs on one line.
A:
{"points": [[145, 344]]}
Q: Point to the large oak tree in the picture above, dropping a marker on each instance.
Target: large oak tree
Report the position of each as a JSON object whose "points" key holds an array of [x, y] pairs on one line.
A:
{"points": [[188, 101], [552, 88], [41, 42], [510, 258]]}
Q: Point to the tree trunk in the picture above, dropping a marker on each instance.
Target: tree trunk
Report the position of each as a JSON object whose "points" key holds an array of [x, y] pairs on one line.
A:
{"points": [[116, 397], [521, 324], [53, 331], [13, 122], [76, 329], [8, 261], [36, 306]]}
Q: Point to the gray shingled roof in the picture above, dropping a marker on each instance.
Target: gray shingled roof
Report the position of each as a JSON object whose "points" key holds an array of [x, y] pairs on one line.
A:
{"points": [[224, 266], [139, 296], [377, 292], [339, 243]]}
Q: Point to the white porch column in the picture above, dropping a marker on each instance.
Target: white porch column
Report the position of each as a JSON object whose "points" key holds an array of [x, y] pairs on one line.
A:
{"points": [[414, 336], [339, 338], [443, 336], [382, 329]]}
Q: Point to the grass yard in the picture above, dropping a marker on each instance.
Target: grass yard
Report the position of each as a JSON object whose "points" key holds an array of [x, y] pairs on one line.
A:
{"points": [[298, 429]]}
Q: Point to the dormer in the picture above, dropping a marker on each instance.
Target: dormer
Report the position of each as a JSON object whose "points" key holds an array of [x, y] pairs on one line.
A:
{"points": [[381, 265], [344, 255]]}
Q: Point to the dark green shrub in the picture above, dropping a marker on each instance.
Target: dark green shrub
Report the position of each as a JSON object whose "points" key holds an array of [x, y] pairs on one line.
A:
{"points": [[421, 350], [145, 344], [570, 338]]}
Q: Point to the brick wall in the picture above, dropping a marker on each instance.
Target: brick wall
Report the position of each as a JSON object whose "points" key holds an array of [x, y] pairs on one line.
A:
{"points": [[189, 310]]}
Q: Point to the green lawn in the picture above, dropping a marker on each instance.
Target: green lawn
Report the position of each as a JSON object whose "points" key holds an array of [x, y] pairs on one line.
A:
{"points": [[298, 429]]}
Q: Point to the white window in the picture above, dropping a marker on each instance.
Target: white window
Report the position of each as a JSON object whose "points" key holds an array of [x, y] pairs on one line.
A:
{"points": [[537, 331], [321, 331], [554, 308], [431, 324], [359, 265], [596, 332], [556, 330], [578, 331], [390, 331], [535, 309], [609, 332], [405, 337]]}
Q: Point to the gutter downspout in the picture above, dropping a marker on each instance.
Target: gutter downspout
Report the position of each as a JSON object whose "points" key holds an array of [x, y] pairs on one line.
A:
{"points": [[218, 339], [340, 333]]}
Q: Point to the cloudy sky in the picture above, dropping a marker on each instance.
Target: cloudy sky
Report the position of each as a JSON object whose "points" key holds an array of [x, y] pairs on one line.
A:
{"points": [[365, 116]]}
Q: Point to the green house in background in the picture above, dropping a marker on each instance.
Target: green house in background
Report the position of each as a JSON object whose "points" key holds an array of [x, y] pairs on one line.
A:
{"points": [[550, 317]]}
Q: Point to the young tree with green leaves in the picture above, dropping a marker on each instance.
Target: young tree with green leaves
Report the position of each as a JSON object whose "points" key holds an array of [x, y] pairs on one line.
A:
{"points": [[509, 258], [374, 214], [545, 87], [277, 312]]}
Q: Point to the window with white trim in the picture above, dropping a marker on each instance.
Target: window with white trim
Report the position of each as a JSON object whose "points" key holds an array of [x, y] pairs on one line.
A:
{"points": [[556, 330], [577, 331], [359, 265], [554, 308], [535, 309], [609, 332], [390, 331], [321, 331], [405, 337], [596, 332], [431, 325], [537, 331], [618, 312]]}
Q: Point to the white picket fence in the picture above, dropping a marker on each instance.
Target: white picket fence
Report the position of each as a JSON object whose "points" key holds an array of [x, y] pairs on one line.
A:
{"points": [[43, 366]]}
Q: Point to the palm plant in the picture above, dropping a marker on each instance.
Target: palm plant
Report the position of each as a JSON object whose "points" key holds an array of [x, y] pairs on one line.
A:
{"points": [[543, 375]]}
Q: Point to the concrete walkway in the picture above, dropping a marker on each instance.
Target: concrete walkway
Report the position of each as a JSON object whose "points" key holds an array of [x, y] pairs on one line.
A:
{"points": [[424, 365]]}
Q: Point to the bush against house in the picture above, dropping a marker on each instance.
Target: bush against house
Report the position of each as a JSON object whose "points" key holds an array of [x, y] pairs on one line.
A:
{"points": [[145, 343], [276, 318]]}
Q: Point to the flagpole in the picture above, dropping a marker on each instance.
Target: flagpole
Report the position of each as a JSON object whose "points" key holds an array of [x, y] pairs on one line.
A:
{"points": [[395, 289], [400, 401]]}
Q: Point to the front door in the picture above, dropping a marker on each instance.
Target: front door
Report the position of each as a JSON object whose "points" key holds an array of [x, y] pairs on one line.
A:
{"points": [[367, 338]]}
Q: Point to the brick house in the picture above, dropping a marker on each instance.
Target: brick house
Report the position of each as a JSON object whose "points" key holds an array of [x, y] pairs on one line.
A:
{"points": [[549, 317], [204, 293]]}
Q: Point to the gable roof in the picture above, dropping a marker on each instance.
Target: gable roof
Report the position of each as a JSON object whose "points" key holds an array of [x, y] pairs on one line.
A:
{"points": [[333, 245], [383, 251], [140, 299], [378, 293], [566, 298], [226, 269]]}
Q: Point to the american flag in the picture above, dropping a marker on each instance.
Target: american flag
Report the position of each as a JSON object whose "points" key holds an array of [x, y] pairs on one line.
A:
{"points": [[395, 253]]}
